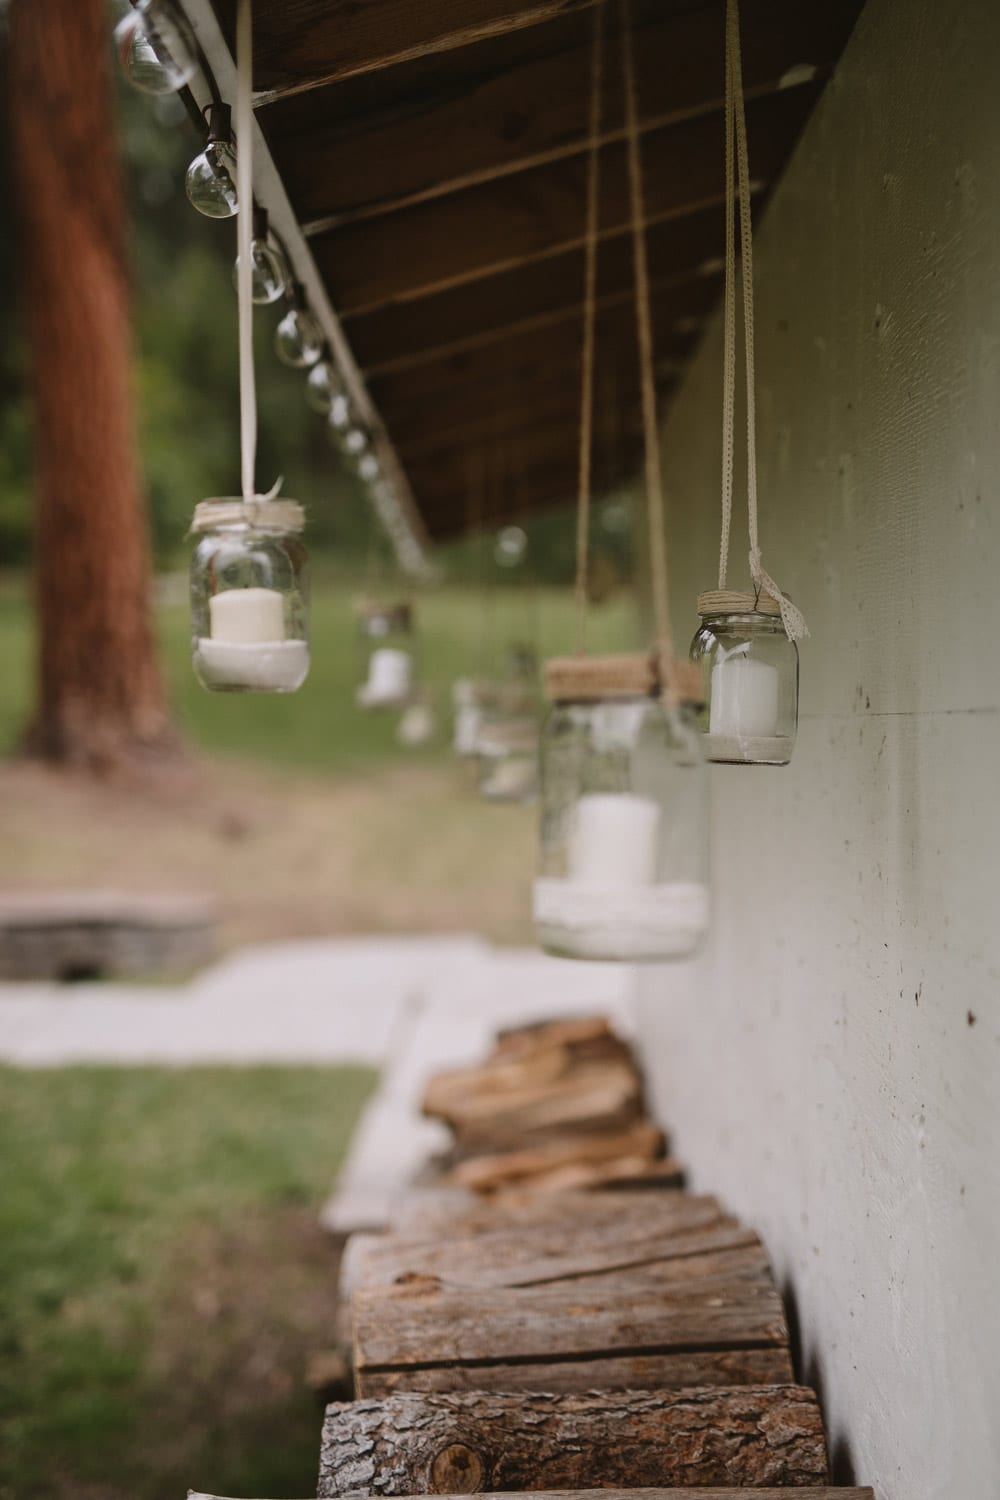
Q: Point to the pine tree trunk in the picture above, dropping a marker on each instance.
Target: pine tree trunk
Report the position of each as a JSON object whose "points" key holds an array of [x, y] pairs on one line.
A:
{"points": [[100, 699]]}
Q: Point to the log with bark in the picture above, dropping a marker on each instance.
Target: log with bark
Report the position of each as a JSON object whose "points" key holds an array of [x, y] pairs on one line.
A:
{"points": [[464, 1443], [806, 1492]]}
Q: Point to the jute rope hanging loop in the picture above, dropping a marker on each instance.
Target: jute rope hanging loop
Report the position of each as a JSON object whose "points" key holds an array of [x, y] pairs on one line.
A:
{"points": [[660, 674], [737, 175]]}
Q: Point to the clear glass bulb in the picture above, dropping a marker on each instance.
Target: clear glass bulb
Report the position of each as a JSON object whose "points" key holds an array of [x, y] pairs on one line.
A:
{"points": [[156, 47], [354, 441], [323, 387], [269, 274], [368, 468], [211, 181], [298, 339], [340, 417]]}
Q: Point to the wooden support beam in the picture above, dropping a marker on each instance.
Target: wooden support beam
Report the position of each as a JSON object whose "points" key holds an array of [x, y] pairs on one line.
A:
{"points": [[493, 1441], [511, 221], [375, 146]]}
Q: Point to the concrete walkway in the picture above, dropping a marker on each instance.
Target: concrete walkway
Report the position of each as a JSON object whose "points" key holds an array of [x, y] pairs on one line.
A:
{"points": [[407, 1006]]}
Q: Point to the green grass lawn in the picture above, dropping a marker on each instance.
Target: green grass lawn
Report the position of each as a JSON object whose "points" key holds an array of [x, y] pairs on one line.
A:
{"points": [[163, 1277], [320, 728]]}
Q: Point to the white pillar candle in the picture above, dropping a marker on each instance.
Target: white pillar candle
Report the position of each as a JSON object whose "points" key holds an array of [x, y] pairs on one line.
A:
{"points": [[614, 840], [390, 679], [389, 674], [744, 698], [248, 616]]}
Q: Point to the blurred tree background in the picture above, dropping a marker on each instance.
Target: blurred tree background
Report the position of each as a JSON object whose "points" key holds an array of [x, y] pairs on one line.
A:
{"points": [[186, 382]]}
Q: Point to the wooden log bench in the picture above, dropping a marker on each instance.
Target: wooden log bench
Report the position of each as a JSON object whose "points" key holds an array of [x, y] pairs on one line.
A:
{"points": [[609, 1290], [73, 935], [502, 1441]]}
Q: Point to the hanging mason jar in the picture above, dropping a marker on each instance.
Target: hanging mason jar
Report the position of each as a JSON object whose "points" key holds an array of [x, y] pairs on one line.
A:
{"points": [[751, 673], [506, 743], [249, 597], [387, 656], [624, 828]]}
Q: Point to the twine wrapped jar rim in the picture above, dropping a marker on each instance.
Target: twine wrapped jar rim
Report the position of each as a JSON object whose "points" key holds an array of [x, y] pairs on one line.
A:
{"points": [[260, 515], [732, 602], [588, 679]]}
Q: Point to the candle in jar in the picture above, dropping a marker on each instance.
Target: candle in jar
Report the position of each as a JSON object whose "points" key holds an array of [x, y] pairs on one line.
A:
{"points": [[247, 616], [390, 674], [744, 698], [614, 839]]}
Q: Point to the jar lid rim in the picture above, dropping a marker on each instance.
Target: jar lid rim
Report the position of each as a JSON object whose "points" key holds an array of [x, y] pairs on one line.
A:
{"points": [[272, 515], [734, 602]]}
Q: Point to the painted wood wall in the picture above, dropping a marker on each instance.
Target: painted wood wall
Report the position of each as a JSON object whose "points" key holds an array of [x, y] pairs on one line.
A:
{"points": [[832, 1063]]}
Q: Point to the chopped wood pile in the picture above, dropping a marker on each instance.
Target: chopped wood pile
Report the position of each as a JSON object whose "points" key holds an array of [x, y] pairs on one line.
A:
{"points": [[527, 1328], [556, 1105]]}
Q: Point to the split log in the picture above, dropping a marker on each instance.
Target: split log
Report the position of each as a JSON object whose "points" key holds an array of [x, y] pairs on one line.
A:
{"points": [[434, 1213], [585, 1237], [529, 1254], [642, 1143], [572, 1031], [587, 1176], [514, 1102], [616, 1329], [463, 1443]]}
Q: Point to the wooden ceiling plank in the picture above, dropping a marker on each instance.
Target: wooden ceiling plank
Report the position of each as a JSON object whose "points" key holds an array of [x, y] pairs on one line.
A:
{"points": [[535, 350], [301, 45], [354, 151], [513, 221], [681, 248], [544, 486], [492, 405]]}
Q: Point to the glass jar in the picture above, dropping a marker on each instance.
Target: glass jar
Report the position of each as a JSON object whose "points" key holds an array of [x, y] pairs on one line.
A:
{"points": [[249, 597], [506, 743], [623, 871], [387, 658], [751, 679]]}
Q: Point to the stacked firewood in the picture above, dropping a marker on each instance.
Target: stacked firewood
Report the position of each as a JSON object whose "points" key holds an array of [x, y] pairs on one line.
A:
{"points": [[555, 1105]]}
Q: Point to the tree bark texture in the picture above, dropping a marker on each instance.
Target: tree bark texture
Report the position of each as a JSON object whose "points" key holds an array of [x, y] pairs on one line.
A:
{"points": [[100, 695], [460, 1444]]}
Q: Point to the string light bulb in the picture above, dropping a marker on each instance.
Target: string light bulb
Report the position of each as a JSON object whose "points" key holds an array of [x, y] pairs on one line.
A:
{"points": [[368, 467], [211, 177], [298, 338], [269, 276], [156, 47], [323, 386]]}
